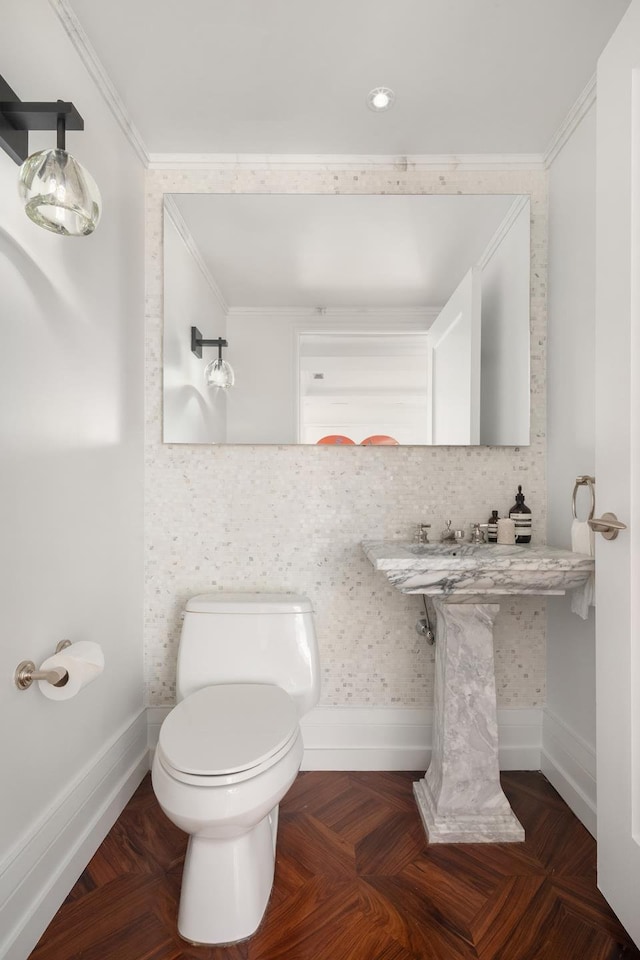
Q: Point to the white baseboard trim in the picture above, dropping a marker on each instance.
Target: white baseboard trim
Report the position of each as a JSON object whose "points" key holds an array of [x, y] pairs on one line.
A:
{"points": [[37, 875], [392, 738], [155, 717], [569, 764]]}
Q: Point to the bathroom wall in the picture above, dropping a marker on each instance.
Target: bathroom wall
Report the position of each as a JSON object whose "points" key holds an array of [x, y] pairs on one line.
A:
{"points": [[292, 518], [569, 725], [72, 438]]}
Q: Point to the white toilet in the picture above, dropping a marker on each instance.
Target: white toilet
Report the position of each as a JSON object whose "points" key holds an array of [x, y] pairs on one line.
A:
{"points": [[228, 752]]}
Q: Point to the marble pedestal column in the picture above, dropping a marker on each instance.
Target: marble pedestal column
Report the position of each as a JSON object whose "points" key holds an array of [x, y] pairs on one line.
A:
{"points": [[460, 798]]}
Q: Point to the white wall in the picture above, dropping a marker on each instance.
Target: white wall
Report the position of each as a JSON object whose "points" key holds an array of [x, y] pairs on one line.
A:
{"points": [[504, 403], [71, 415], [192, 412], [570, 713]]}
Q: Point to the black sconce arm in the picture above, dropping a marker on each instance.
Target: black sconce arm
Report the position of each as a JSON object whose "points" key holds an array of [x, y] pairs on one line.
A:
{"points": [[197, 343], [18, 117]]}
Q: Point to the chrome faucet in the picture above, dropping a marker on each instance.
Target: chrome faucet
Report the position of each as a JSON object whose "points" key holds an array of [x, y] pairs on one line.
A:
{"points": [[448, 535]]}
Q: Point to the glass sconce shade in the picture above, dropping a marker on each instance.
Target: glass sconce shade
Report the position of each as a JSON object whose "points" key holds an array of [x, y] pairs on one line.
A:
{"points": [[59, 194], [219, 373]]}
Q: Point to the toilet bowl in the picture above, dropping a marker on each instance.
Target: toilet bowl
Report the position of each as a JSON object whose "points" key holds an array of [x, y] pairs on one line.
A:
{"points": [[226, 756], [229, 808]]}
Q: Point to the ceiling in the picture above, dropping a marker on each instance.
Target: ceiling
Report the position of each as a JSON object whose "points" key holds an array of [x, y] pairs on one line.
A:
{"points": [[292, 76]]}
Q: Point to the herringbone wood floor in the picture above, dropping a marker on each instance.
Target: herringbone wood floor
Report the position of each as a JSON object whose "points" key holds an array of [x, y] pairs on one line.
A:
{"points": [[356, 880]]}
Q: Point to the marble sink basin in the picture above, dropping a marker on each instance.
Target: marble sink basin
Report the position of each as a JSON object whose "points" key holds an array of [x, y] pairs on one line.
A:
{"points": [[475, 550], [485, 569]]}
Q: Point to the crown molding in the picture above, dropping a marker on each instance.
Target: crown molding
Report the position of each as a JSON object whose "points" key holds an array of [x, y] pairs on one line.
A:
{"points": [[89, 57], [322, 162], [180, 224], [572, 120]]}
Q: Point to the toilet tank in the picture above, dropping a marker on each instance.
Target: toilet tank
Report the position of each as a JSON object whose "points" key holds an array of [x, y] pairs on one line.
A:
{"points": [[250, 638]]}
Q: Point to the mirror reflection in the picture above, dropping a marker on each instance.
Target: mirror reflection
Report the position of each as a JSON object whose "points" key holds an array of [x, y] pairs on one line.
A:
{"points": [[347, 319]]}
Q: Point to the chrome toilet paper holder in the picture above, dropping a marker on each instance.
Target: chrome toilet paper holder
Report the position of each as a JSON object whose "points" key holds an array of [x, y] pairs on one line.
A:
{"points": [[26, 671]]}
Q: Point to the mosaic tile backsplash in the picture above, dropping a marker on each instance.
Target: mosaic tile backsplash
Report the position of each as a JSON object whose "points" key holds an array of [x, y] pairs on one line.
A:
{"points": [[292, 518]]}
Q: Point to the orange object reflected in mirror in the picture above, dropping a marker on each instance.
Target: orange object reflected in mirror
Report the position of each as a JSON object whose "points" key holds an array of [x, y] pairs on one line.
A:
{"points": [[336, 440], [379, 440]]}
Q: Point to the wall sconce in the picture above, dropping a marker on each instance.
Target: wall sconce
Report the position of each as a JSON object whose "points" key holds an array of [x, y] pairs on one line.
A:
{"points": [[57, 192], [218, 373]]}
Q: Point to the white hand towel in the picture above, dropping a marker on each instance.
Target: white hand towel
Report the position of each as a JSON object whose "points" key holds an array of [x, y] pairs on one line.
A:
{"points": [[582, 541]]}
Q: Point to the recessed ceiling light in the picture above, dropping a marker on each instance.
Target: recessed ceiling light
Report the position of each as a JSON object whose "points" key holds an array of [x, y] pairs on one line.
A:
{"points": [[380, 98]]}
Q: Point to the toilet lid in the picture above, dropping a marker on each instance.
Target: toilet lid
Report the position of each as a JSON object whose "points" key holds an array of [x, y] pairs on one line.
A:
{"points": [[227, 728]]}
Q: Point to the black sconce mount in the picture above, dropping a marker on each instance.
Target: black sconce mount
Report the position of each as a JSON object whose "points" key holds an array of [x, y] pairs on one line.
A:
{"points": [[197, 343], [18, 117]]}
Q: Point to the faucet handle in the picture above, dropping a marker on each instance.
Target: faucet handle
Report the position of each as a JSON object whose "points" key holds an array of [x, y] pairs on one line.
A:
{"points": [[422, 535], [477, 532]]}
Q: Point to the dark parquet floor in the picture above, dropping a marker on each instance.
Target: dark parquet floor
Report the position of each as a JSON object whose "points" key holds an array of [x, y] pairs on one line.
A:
{"points": [[356, 880]]}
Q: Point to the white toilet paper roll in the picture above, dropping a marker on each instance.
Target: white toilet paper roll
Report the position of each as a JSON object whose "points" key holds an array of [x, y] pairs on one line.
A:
{"points": [[83, 661]]}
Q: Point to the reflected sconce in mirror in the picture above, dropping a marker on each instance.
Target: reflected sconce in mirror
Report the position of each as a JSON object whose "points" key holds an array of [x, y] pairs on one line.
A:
{"points": [[57, 192], [218, 373]]}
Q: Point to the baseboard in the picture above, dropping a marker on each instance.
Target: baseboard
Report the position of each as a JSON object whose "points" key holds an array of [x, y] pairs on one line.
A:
{"points": [[392, 738], [155, 717], [38, 874], [569, 764]]}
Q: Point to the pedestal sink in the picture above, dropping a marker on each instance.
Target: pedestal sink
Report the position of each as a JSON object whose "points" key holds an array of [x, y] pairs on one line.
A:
{"points": [[460, 798]]}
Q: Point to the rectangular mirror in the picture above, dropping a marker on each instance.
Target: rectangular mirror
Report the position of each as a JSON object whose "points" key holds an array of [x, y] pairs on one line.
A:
{"points": [[347, 319]]}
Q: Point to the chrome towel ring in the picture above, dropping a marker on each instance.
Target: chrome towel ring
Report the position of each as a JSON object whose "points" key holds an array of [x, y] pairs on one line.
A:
{"points": [[581, 482]]}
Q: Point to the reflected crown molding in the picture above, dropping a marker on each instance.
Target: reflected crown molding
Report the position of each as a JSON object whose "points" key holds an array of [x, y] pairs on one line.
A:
{"points": [[337, 319], [514, 212], [172, 211]]}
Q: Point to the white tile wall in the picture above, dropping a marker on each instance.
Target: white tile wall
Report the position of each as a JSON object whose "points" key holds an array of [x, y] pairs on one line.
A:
{"points": [[292, 518]]}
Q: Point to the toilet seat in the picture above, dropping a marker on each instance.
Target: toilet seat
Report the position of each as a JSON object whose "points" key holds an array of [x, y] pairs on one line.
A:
{"points": [[227, 733]]}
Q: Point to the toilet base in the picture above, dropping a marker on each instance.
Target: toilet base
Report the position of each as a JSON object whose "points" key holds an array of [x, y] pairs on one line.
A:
{"points": [[226, 884]]}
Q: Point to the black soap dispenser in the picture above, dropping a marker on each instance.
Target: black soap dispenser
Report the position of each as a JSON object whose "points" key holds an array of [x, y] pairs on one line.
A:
{"points": [[521, 514], [492, 527]]}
